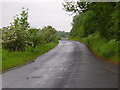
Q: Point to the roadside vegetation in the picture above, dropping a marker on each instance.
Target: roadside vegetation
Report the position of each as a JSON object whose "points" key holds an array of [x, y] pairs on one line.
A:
{"points": [[96, 24], [11, 59], [21, 43]]}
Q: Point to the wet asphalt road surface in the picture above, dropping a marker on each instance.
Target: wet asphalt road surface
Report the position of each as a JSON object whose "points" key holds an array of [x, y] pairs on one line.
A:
{"points": [[68, 65]]}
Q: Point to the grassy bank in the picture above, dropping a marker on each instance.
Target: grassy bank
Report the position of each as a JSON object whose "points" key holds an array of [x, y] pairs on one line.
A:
{"points": [[11, 59], [102, 47]]}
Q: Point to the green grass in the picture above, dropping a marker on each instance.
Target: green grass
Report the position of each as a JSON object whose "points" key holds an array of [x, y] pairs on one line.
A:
{"points": [[11, 59], [102, 47]]}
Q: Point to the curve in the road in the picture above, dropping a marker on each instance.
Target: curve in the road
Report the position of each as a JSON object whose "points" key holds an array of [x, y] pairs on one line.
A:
{"points": [[68, 65]]}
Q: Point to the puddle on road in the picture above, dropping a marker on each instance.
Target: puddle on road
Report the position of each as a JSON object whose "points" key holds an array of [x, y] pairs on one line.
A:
{"points": [[34, 77], [68, 43], [59, 77]]}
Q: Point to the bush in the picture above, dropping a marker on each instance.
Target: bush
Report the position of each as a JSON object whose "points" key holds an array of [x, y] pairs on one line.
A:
{"points": [[109, 49], [14, 40]]}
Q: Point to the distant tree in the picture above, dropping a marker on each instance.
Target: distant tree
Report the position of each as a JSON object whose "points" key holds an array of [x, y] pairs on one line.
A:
{"points": [[62, 34]]}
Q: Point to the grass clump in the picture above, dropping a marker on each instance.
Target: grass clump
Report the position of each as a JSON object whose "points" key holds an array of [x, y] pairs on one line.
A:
{"points": [[105, 48]]}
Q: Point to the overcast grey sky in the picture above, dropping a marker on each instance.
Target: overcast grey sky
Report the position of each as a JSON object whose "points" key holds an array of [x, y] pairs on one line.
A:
{"points": [[41, 13]]}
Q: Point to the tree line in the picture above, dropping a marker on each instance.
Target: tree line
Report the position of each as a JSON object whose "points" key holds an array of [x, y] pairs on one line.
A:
{"points": [[94, 18], [97, 25], [19, 35]]}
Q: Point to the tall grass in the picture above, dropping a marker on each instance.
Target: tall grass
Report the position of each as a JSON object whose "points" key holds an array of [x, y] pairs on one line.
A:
{"points": [[11, 59], [105, 48]]}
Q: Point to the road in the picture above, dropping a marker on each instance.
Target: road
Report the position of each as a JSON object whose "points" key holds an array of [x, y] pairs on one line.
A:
{"points": [[68, 65]]}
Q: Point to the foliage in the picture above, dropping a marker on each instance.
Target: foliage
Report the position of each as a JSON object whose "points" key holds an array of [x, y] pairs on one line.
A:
{"points": [[97, 25], [19, 35], [21, 22], [14, 36], [75, 7], [82, 24], [34, 37], [22, 43], [100, 17], [14, 40], [11, 59], [49, 33], [102, 47]]}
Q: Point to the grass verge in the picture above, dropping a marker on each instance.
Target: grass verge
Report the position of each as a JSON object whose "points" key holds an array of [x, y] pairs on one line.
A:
{"points": [[12, 59], [102, 47]]}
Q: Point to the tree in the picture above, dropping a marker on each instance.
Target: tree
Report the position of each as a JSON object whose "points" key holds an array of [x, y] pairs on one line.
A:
{"points": [[114, 22], [14, 36], [34, 37], [83, 24], [21, 22], [19, 36], [49, 33], [75, 7], [92, 17]]}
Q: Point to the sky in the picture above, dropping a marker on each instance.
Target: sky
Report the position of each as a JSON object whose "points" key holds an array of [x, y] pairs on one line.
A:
{"points": [[41, 13]]}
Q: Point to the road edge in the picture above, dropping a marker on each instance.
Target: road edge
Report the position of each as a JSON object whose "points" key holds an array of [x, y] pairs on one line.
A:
{"points": [[28, 62]]}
